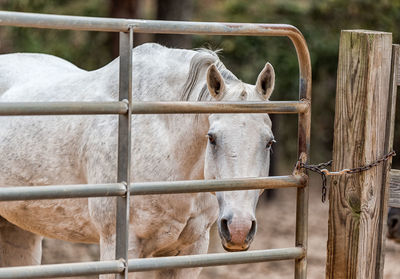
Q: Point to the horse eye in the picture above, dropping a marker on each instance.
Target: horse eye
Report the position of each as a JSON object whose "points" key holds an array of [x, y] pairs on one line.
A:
{"points": [[211, 138], [270, 143]]}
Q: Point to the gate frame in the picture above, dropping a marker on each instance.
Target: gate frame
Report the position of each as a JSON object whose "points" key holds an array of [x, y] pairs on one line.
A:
{"points": [[125, 107]]}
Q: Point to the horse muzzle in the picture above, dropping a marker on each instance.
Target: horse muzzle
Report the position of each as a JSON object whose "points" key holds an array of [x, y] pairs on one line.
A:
{"points": [[236, 233]]}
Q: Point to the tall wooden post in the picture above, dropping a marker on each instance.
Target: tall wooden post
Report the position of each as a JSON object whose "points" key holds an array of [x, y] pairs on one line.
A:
{"points": [[355, 207]]}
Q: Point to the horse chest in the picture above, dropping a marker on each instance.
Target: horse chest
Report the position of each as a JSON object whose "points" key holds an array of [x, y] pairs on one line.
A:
{"points": [[174, 223]]}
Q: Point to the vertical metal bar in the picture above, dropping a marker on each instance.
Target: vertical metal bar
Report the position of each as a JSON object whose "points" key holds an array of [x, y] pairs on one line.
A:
{"points": [[304, 134], [124, 148]]}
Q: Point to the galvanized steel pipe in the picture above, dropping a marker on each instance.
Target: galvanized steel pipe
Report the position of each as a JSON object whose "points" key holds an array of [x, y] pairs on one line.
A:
{"points": [[146, 264], [147, 188], [61, 108], [215, 259], [61, 191], [80, 108], [272, 107], [62, 270], [194, 186]]}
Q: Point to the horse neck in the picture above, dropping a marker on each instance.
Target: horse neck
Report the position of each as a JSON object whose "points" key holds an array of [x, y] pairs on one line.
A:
{"points": [[198, 126], [188, 131], [192, 136], [193, 141]]}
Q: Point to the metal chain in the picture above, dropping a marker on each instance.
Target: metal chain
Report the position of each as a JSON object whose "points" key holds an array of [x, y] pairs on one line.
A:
{"points": [[321, 169]]}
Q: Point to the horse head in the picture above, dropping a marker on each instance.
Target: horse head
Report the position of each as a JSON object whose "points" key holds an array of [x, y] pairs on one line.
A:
{"points": [[238, 146]]}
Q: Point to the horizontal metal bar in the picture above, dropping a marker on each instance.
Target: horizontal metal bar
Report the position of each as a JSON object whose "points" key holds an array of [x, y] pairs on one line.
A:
{"points": [[73, 108], [62, 22], [194, 186], [61, 191], [220, 107], [213, 28], [136, 265], [62, 270], [147, 188], [61, 108], [143, 26]]}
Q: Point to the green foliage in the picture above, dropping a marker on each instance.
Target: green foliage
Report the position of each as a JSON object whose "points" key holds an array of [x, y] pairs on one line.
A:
{"points": [[319, 21], [88, 50]]}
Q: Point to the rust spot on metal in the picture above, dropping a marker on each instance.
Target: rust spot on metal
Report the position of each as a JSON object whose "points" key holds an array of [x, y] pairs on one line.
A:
{"points": [[232, 25], [297, 169]]}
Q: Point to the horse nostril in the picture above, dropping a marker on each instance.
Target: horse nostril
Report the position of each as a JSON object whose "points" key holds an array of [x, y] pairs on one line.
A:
{"points": [[252, 231], [225, 230]]}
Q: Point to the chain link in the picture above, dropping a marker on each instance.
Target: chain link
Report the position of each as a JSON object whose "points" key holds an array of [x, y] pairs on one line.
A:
{"points": [[321, 170]]}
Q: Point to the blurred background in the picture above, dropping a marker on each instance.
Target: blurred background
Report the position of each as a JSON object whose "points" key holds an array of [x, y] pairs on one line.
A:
{"points": [[319, 21]]}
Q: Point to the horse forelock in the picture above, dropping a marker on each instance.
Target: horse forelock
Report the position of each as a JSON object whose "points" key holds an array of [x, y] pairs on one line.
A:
{"points": [[198, 64]]}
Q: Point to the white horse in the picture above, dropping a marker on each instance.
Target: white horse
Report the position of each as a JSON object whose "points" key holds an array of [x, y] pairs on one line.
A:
{"points": [[49, 150]]}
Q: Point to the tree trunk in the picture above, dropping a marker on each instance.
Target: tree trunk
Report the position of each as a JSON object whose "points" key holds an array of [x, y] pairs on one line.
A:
{"points": [[175, 10], [121, 9]]}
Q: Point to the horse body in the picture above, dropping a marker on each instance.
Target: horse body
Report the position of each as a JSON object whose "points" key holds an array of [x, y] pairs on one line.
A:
{"points": [[50, 150], [41, 67]]}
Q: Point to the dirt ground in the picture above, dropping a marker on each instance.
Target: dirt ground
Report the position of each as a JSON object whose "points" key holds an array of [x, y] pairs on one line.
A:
{"points": [[276, 224]]}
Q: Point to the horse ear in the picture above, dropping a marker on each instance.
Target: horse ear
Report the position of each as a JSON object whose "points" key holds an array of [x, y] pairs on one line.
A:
{"points": [[266, 81], [215, 82]]}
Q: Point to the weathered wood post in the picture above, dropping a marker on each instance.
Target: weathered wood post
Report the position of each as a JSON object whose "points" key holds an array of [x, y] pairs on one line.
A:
{"points": [[356, 210]]}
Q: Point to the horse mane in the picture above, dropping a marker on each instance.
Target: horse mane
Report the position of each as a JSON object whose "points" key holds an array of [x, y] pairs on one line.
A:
{"points": [[199, 62]]}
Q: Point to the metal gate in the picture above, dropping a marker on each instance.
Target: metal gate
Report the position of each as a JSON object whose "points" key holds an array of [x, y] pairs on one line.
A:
{"points": [[125, 107]]}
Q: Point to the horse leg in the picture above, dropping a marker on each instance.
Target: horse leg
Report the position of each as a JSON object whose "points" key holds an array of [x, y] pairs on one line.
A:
{"points": [[199, 247], [102, 212], [108, 244], [107, 252], [18, 247]]}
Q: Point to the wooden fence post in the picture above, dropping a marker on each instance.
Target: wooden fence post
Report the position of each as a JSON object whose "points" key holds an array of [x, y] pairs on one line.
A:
{"points": [[355, 208]]}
